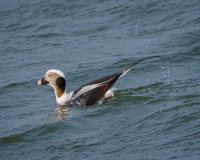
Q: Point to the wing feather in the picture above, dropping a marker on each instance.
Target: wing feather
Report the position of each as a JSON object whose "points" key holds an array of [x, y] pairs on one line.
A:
{"points": [[87, 88]]}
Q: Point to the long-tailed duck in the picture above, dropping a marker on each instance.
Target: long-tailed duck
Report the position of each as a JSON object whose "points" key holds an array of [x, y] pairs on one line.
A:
{"points": [[88, 94]]}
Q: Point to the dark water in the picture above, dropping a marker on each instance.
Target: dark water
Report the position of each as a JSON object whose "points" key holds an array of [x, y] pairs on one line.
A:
{"points": [[156, 109]]}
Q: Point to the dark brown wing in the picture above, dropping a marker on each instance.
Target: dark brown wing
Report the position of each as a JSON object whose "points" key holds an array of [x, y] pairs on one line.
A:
{"points": [[92, 92]]}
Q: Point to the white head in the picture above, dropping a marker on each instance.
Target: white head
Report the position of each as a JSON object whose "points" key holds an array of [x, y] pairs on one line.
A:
{"points": [[56, 79]]}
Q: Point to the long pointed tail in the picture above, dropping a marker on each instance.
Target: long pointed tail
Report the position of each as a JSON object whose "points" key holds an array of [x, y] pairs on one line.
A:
{"points": [[130, 67]]}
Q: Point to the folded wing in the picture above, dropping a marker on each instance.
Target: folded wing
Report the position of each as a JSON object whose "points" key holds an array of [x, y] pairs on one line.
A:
{"points": [[92, 92]]}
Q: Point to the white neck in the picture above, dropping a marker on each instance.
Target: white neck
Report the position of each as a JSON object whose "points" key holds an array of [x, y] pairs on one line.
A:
{"points": [[64, 98]]}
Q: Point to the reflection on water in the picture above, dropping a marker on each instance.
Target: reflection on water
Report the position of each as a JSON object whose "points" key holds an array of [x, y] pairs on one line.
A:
{"points": [[63, 112]]}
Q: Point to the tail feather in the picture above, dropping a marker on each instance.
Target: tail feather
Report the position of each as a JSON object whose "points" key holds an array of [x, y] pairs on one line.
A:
{"points": [[130, 67]]}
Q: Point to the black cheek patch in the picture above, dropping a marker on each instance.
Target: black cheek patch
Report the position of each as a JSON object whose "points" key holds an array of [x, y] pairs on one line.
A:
{"points": [[60, 82]]}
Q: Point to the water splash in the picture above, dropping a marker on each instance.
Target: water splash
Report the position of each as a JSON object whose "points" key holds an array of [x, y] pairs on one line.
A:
{"points": [[168, 71], [168, 74]]}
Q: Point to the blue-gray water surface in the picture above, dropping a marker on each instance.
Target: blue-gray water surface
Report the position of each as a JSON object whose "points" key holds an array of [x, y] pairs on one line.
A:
{"points": [[155, 113]]}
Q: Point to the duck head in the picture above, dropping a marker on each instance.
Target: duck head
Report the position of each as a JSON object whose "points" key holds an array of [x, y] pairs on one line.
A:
{"points": [[56, 79]]}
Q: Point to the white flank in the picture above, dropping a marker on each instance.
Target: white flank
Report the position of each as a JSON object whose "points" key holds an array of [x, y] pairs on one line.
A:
{"points": [[110, 93]]}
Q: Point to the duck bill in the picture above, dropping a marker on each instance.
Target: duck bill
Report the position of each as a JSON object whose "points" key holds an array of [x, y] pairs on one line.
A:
{"points": [[42, 81]]}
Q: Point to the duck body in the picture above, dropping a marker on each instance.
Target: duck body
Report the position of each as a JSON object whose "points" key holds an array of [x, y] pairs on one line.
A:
{"points": [[99, 88], [86, 95]]}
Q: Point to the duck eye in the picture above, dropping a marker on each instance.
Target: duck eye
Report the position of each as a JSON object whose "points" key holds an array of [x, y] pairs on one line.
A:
{"points": [[51, 75]]}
